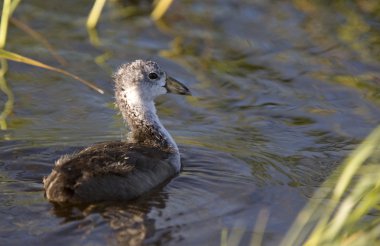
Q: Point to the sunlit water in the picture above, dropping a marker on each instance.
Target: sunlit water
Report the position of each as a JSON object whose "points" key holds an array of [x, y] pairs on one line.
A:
{"points": [[282, 93]]}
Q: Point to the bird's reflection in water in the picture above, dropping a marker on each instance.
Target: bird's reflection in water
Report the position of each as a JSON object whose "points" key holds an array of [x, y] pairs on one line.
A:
{"points": [[127, 222]]}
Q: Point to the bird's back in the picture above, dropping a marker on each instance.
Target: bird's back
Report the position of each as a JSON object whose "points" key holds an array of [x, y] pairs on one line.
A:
{"points": [[111, 171]]}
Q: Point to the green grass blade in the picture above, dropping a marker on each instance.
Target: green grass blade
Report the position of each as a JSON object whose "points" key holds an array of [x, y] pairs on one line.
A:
{"points": [[94, 15], [355, 160], [259, 229], [4, 22], [161, 7], [14, 4], [18, 58]]}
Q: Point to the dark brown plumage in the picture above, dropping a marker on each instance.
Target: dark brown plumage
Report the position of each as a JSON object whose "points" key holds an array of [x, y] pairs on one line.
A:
{"points": [[108, 171]]}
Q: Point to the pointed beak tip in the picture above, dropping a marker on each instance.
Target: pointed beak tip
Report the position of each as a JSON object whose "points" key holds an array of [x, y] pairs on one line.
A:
{"points": [[187, 93], [174, 86]]}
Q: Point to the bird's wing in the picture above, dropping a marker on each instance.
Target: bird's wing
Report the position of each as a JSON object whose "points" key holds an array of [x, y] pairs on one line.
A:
{"points": [[109, 171]]}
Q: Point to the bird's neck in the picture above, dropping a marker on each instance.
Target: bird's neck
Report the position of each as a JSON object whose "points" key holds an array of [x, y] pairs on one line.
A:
{"points": [[145, 125]]}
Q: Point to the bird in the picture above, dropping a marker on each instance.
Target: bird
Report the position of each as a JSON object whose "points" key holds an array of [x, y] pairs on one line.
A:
{"points": [[126, 169]]}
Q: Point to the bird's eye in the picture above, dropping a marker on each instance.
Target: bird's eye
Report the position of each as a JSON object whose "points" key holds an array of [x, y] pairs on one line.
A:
{"points": [[153, 76]]}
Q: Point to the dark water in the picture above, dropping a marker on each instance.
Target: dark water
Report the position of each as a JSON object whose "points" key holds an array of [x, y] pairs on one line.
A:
{"points": [[283, 90]]}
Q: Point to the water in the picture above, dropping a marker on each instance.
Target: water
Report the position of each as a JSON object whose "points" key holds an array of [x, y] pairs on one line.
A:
{"points": [[283, 91]]}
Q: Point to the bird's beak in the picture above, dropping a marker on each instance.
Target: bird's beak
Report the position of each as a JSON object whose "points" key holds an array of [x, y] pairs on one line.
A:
{"points": [[174, 86]]}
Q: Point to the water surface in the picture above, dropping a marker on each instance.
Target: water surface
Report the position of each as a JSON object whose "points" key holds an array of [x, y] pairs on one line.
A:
{"points": [[283, 91]]}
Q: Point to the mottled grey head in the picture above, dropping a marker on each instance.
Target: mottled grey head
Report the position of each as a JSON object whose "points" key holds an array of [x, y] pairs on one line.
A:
{"points": [[144, 81]]}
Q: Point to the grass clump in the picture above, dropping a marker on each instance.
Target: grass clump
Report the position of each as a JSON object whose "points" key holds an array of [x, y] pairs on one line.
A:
{"points": [[345, 210]]}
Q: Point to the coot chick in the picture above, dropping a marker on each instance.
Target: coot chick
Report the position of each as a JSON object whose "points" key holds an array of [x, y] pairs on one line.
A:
{"points": [[123, 170]]}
